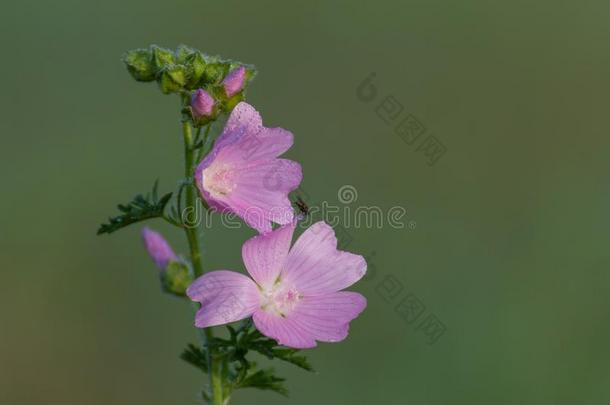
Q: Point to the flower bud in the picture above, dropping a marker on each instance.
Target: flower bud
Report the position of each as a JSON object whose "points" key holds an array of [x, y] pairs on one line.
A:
{"points": [[175, 273], [158, 248], [202, 104], [234, 82], [161, 57], [176, 278], [139, 64], [215, 70], [182, 53], [195, 64], [172, 79]]}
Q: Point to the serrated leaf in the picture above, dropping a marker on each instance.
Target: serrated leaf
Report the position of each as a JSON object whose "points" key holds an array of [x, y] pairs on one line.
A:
{"points": [[269, 347], [142, 207], [196, 357], [290, 356], [264, 380]]}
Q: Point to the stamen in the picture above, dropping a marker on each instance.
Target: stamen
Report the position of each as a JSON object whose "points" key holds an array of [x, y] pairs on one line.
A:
{"points": [[219, 181], [280, 300]]}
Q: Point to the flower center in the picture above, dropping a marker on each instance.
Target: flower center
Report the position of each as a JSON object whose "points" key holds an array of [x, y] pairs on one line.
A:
{"points": [[280, 299], [219, 181]]}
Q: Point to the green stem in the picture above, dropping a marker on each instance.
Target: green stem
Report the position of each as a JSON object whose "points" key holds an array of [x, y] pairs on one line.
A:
{"points": [[191, 201], [193, 239], [203, 150]]}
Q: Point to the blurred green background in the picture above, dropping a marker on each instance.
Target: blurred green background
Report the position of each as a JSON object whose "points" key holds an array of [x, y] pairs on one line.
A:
{"points": [[510, 245]]}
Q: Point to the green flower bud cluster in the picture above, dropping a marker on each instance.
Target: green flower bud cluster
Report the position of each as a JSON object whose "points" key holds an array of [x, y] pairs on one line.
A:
{"points": [[186, 70]]}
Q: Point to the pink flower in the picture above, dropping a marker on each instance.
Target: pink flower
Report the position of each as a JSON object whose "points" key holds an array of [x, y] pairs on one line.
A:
{"points": [[234, 81], [243, 175], [202, 103], [158, 248], [295, 297]]}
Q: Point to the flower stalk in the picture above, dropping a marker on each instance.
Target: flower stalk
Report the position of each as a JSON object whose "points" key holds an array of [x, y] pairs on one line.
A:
{"points": [[195, 253], [191, 201]]}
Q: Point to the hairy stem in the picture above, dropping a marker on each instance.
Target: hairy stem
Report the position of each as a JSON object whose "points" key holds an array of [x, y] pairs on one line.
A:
{"points": [[193, 240], [191, 201]]}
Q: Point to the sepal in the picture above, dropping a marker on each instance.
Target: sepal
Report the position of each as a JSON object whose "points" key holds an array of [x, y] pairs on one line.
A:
{"points": [[176, 278], [195, 64], [139, 64], [161, 57], [172, 79]]}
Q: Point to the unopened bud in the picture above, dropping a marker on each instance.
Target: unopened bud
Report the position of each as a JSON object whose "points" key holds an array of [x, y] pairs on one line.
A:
{"points": [[215, 70], [158, 248], [234, 82], [202, 104], [139, 64], [182, 53], [175, 273], [161, 57], [172, 79], [195, 64]]}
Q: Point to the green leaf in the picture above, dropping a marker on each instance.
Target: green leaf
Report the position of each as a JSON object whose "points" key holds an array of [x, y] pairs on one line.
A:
{"points": [[238, 370], [264, 380], [139, 209], [269, 347], [196, 357], [249, 339], [290, 356]]}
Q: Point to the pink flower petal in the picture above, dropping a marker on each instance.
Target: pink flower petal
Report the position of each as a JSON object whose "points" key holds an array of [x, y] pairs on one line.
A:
{"points": [[315, 266], [323, 317], [265, 254], [261, 193], [264, 144], [245, 139], [234, 81], [279, 176], [225, 297], [283, 330], [158, 248], [243, 175], [326, 317], [269, 143], [244, 120]]}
